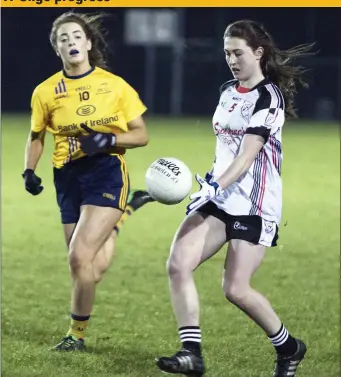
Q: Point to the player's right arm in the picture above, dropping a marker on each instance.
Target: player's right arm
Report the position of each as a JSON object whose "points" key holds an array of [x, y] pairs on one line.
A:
{"points": [[35, 144], [34, 149]]}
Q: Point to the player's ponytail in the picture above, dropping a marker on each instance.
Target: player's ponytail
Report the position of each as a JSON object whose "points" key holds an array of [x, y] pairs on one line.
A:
{"points": [[276, 64], [92, 26]]}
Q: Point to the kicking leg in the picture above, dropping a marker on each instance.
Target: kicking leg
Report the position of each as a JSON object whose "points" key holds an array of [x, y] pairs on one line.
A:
{"points": [[198, 239]]}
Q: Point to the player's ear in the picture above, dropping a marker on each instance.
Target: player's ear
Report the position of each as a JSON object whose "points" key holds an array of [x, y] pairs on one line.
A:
{"points": [[89, 45], [259, 53], [57, 53]]}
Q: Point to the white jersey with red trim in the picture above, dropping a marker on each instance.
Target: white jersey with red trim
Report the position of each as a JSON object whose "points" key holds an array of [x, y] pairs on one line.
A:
{"points": [[257, 111]]}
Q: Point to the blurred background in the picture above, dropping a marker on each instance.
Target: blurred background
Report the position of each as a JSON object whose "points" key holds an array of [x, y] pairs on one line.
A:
{"points": [[174, 57]]}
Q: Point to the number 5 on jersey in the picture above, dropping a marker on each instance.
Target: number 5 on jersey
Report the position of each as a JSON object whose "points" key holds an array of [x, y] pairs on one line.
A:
{"points": [[232, 107]]}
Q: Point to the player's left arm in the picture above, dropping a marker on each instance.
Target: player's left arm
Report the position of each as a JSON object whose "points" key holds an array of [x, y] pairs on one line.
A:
{"points": [[137, 135], [133, 109], [251, 146]]}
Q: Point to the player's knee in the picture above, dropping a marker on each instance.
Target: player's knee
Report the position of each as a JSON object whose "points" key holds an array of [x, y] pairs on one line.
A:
{"points": [[78, 258], [235, 293], [75, 261], [177, 269], [172, 267], [179, 264]]}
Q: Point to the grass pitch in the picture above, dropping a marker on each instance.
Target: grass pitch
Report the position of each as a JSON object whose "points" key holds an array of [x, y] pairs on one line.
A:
{"points": [[132, 321]]}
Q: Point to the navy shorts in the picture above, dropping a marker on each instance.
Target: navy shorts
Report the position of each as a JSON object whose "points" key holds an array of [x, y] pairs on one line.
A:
{"points": [[251, 228], [101, 180]]}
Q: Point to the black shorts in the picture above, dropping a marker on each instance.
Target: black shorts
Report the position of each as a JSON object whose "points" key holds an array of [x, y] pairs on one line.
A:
{"points": [[251, 228], [101, 180]]}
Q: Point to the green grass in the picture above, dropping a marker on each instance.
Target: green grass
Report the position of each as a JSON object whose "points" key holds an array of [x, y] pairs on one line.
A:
{"points": [[132, 320]]}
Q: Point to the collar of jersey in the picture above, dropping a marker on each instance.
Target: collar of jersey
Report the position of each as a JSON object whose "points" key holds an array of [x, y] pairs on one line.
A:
{"points": [[79, 76], [244, 90]]}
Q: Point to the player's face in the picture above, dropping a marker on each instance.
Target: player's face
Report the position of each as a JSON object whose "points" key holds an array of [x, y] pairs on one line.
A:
{"points": [[241, 59], [72, 44]]}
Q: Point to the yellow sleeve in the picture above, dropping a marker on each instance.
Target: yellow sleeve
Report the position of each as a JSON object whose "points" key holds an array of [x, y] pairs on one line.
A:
{"points": [[38, 116], [132, 106]]}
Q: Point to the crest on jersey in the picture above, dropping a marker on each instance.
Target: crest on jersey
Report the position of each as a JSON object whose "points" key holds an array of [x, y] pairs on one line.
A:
{"points": [[103, 88], [271, 116], [246, 110]]}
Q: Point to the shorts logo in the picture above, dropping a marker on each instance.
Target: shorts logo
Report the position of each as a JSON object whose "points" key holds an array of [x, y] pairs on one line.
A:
{"points": [[238, 226], [86, 110], [109, 196]]}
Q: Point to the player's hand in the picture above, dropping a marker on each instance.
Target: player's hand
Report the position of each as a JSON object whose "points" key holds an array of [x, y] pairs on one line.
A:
{"points": [[32, 182], [96, 142], [208, 190]]}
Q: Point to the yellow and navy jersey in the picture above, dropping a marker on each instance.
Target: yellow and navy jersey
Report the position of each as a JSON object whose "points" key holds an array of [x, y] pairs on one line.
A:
{"points": [[100, 99]]}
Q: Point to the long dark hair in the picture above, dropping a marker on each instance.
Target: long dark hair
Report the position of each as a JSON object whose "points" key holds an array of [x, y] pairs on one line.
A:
{"points": [[276, 64], [92, 26]]}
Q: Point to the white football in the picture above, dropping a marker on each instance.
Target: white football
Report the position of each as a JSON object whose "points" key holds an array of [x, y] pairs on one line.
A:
{"points": [[168, 180]]}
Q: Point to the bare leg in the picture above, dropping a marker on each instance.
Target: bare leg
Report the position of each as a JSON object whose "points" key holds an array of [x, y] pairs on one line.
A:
{"points": [[197, 240], [242, 261]]}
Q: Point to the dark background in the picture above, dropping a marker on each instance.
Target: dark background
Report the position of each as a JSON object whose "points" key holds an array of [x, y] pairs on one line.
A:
{"points": [[28, 59]]}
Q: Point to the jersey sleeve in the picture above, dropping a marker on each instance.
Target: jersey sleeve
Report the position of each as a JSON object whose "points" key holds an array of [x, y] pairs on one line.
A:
{"points": [[226, 85], [38, 113], [132, 106], [268, 114]]}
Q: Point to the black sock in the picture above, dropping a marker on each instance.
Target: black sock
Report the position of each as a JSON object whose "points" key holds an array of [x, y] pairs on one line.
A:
{"points": [[191, 338], [283, 342]]}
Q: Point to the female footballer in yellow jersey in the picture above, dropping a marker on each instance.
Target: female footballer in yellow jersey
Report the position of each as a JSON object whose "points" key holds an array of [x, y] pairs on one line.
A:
{"points": [[94, 117]]}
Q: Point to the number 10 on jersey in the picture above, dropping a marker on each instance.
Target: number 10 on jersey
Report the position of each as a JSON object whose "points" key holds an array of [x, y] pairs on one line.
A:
{"points": [[84, 96]]}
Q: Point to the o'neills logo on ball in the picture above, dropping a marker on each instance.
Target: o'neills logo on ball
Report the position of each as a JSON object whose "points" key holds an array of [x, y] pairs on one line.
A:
{"points": [[170, 165]]}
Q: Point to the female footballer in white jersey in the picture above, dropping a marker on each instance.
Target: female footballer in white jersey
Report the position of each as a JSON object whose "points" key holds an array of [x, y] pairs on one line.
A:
{"points": [[240, 200]]}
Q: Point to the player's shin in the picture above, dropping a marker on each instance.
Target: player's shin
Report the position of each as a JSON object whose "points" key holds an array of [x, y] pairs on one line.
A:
{"points": [[242, 261], [83, 295], [259, 309], [184, 297], [185, 303]]}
